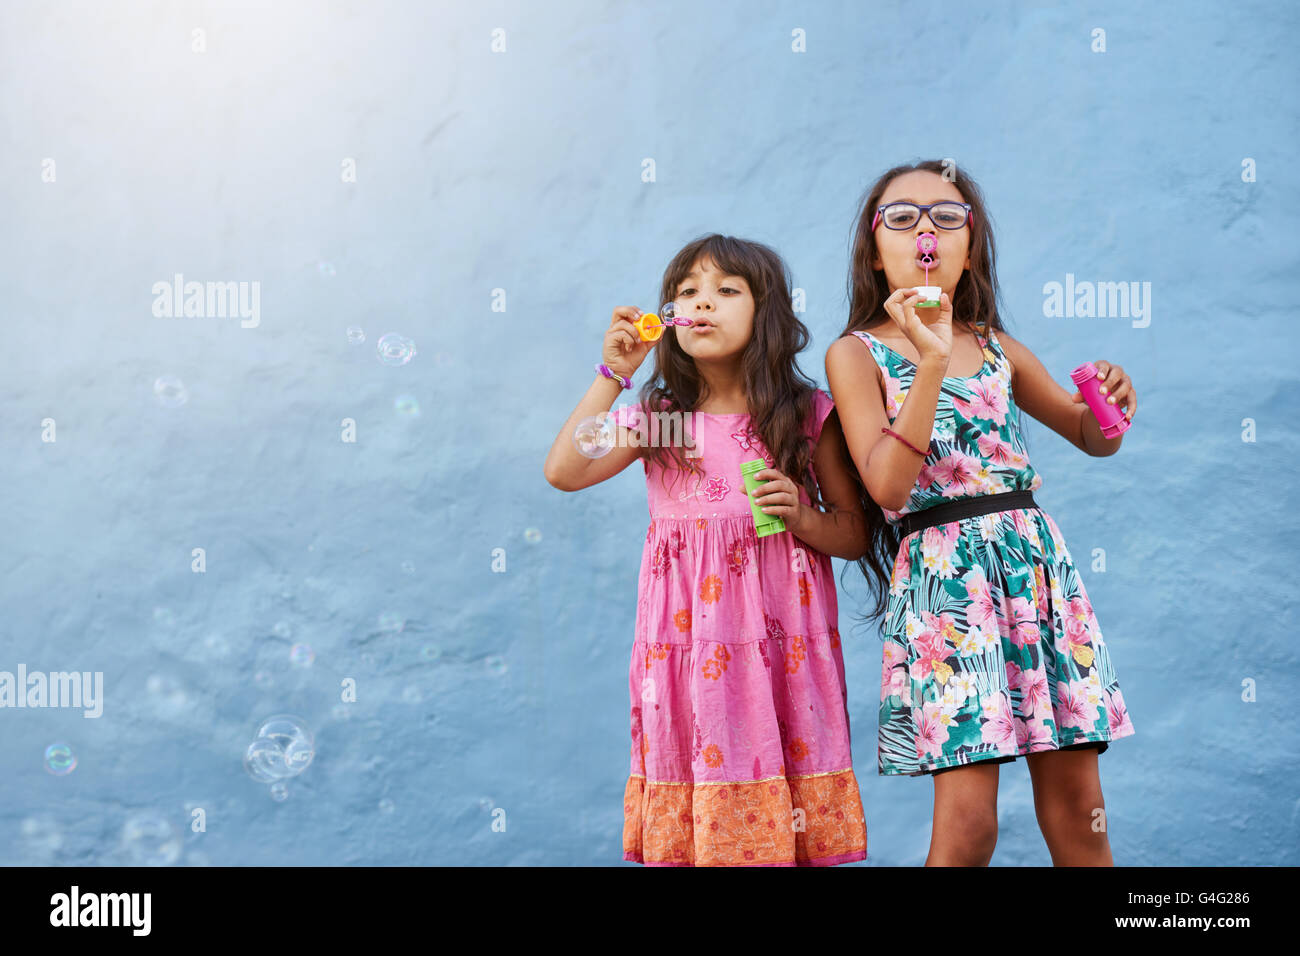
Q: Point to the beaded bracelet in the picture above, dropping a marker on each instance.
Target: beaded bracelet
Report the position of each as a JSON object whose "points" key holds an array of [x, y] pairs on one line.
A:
{"points": [[905, 442], [608, 372]]}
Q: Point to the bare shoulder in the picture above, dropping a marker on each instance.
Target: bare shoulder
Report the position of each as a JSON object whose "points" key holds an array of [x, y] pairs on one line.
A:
{"points": [[849, 354]]}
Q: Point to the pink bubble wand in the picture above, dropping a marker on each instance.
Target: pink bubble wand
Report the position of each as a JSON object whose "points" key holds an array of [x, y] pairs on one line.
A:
{"points": [[927, 245]]}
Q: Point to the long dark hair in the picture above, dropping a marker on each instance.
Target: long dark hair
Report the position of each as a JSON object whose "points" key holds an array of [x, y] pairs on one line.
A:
{"points": [[779, 394], [974, 305]]}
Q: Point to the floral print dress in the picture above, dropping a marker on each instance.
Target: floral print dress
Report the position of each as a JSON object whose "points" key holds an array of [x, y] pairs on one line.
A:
{"points": [[992, 650], [740, 729]]}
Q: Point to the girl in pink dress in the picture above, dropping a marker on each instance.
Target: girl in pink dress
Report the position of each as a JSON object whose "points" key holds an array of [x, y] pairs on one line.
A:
{"points": [[740, 729]]}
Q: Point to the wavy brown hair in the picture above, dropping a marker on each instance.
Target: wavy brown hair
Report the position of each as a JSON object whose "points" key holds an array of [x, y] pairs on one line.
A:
{"points": [[974, 307], [779, 394]]}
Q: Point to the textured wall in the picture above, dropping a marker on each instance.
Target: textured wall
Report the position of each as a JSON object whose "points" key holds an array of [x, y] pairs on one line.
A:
{"points": [[521, 170]]}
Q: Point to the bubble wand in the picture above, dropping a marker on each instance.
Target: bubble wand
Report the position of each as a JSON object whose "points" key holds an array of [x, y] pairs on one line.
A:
{"points": [[651, 330], [927, 245]]}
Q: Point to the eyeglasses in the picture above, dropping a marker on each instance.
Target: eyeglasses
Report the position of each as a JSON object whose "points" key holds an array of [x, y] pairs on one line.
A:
{"points": [[904, 215]]}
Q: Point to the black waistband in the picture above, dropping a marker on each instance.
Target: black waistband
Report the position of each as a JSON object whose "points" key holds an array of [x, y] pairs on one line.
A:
{"points": [[965, 508]]}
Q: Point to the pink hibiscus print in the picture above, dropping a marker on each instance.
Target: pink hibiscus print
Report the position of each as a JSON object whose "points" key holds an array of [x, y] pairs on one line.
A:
{"points": [[956, 474], [1117, 714], [1033, 735], [981, 612], [1019, 617], [930, 732], [987, 401], [932, 645], [1032, 685], [717, 488], [1000, 730], [1072, 708], [999, 452]]}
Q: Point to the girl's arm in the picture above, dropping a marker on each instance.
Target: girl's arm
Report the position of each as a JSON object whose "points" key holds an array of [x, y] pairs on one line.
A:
{"points": [[568, 469], [887, 467], [622, 351], [842, 531], [1040, 396]]}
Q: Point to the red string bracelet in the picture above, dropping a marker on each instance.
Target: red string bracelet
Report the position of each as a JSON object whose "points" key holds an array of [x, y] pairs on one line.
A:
{"points": [[905, 441]]}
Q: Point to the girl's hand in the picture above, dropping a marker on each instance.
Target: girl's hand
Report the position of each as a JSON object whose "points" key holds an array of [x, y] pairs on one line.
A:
{"points": [[933, 341], [1116, 387], [623, 351], [779, 497]]}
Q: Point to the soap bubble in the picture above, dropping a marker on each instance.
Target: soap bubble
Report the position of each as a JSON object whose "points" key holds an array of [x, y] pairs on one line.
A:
{"points": [[264, 761], [282, 629], [431, 652], [356, 334], [60, 760], [301, 655], [496, 666], [532, 535], [279, 791], [668, 312], [170, 391], [595, 436], [326, 269], [395, 349], [485, 804], [406, 406], [150, 839], [386, 806], [408, 567], [391, 621], [295, 741]]}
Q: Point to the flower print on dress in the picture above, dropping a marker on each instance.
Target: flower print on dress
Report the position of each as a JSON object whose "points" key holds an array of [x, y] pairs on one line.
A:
{"points": [[988, 401], [717, 488], [749, 442]]}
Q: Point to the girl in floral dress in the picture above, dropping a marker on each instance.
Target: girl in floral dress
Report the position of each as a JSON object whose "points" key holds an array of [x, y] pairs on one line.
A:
{"points": [[740, 728], [992, 650]]}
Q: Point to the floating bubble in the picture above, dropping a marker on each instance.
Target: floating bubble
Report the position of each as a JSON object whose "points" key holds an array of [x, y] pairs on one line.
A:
{"points": [[408, 567], [150, 839], [496, 666], [60, 760], [279, 791], [356, 335], [668, 312], [431, 652], [395, 349], [296, 742], [301, 655], [282, 629], [595, 436], [406, 406], [386, 806], [264, 761], [170, 391], [485, 804], [391, 621], [326, 269], [532, 535]]}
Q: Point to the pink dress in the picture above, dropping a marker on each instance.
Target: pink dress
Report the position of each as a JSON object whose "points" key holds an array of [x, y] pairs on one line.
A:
{"points": [[740, 730]]}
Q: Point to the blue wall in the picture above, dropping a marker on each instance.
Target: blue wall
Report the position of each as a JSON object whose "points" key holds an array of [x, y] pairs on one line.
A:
{"points": [[521, 170]]}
